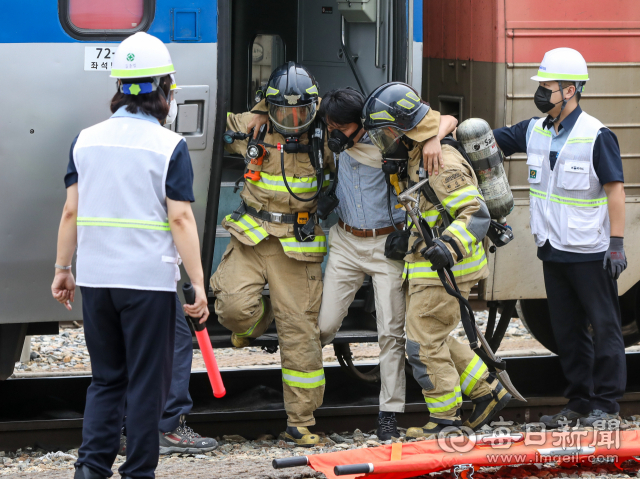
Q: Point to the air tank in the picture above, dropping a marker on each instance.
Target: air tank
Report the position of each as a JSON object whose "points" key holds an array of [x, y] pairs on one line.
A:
{"points": [[478, 141]]}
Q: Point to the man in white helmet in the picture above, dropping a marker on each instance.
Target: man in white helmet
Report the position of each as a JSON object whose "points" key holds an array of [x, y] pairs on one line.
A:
{"points": [[128, 211], [577, 203]]}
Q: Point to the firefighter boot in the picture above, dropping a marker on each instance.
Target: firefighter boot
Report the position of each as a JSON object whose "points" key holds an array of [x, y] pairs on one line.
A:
{"points": [[240, 341], [387, 426], [301, 436], [487, 406], [436, 426]]}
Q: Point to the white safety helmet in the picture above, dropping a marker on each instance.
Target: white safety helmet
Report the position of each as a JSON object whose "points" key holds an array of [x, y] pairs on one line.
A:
{"points": [[564, 64], [141, 56]]}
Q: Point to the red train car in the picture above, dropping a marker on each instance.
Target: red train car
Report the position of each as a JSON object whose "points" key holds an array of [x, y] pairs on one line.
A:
{"points": [[479, 56]]}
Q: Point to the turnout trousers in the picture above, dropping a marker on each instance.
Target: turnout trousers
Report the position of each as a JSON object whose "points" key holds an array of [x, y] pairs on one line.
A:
{"points": [[295, 294], [579, 295], [443, 366], [350, 259], [130, 338]]}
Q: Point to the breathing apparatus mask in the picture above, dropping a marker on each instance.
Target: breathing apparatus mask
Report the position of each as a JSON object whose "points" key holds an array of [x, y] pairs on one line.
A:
{"points": [[292, 120], [338, 141]]}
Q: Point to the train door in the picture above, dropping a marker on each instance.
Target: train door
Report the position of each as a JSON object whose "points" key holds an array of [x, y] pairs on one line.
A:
{"points": [[360, 44]]}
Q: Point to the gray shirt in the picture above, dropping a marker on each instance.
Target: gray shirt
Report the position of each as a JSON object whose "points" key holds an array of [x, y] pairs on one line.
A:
{"points": [[362, 191]]}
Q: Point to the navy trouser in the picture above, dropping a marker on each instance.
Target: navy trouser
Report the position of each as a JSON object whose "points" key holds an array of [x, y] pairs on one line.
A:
{"points": [[130, 337], [179, 401], [583, 294]]}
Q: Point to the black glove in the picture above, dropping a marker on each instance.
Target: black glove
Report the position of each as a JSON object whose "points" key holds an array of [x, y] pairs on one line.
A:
{"points": [[614, 259], [439, 255]]}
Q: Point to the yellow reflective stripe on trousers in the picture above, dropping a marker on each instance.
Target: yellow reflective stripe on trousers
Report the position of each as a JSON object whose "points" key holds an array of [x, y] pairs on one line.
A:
{"points": [[460, 231], [318, 245], [252, 328], [459, 198], [123, 223], [297, 185], [422, 269], [445, 402], [249, 227], [472, 374], [298, 379], [564, 200]]}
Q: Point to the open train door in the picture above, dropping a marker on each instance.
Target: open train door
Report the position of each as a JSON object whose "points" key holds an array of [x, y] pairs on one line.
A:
{"points": [[361, 44]]}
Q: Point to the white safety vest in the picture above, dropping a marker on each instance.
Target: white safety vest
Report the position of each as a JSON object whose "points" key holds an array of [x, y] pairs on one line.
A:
{"points": [[124, 240], [568, 205]]}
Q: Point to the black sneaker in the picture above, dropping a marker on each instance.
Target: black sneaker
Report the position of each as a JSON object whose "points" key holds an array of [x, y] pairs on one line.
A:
{"points": [[387, 426], [487, 406], [435, 428], [185, 440], [566, 417], [601, 420]]}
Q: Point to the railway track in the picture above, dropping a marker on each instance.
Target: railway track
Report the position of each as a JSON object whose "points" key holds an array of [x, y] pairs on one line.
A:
{"points": [[47, 412]]}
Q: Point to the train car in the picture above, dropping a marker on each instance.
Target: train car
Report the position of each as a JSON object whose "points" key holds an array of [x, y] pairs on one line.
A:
{"points": [[468, 58], [57, 59], [479, 56]]}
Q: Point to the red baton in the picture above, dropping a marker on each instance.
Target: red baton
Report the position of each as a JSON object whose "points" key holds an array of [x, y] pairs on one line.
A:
{"points": [[205, 345]]}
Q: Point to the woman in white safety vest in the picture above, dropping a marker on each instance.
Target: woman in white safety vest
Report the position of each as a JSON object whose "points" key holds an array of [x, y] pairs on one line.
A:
{"points": [[577, 205], [129, 188]]}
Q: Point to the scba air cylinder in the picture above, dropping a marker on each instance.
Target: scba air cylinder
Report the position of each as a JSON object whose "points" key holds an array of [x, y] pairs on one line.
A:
{"points": [[486, 158]]}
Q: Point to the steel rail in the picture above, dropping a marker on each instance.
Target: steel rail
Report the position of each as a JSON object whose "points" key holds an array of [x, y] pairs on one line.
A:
{"points": [[47, 412]]}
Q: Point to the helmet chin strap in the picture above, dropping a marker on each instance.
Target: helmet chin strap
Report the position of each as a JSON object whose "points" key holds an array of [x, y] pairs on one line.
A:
{"points": [[564, 101]]}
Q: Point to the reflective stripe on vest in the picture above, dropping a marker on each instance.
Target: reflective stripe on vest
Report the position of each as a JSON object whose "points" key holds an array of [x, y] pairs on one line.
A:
{"points": [[298, 379], [249, 227], [298, 185], [445, 402], [471, 264], [318, 245], [472, 374], [568, 205], [123, 223]]}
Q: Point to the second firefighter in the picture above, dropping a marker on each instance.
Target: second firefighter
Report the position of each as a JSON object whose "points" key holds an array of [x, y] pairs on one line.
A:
{"points": [[398, 121]]}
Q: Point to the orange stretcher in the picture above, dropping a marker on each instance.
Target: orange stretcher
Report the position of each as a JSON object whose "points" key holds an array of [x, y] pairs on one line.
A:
{"points": [[399, 460]]}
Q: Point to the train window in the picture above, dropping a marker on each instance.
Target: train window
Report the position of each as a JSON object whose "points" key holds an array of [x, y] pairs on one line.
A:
{"points": [[267, 53], [112, 19]]}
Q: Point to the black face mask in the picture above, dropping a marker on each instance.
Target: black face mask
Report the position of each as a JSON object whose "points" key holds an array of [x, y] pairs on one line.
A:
{"points": [[338, 141], [542, 99]]}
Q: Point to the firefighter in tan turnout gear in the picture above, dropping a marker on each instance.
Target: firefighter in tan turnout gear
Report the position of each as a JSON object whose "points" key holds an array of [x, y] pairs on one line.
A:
{"points": [[400, 124], [276, 239]]}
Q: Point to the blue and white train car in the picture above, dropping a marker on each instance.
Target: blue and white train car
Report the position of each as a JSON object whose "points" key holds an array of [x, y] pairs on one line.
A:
{"points": [[55, 67]]}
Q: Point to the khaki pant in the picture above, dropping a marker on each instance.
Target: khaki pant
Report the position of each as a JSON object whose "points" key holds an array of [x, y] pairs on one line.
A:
{"points": [[296, 291], [350, 259], [442, 365]]}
